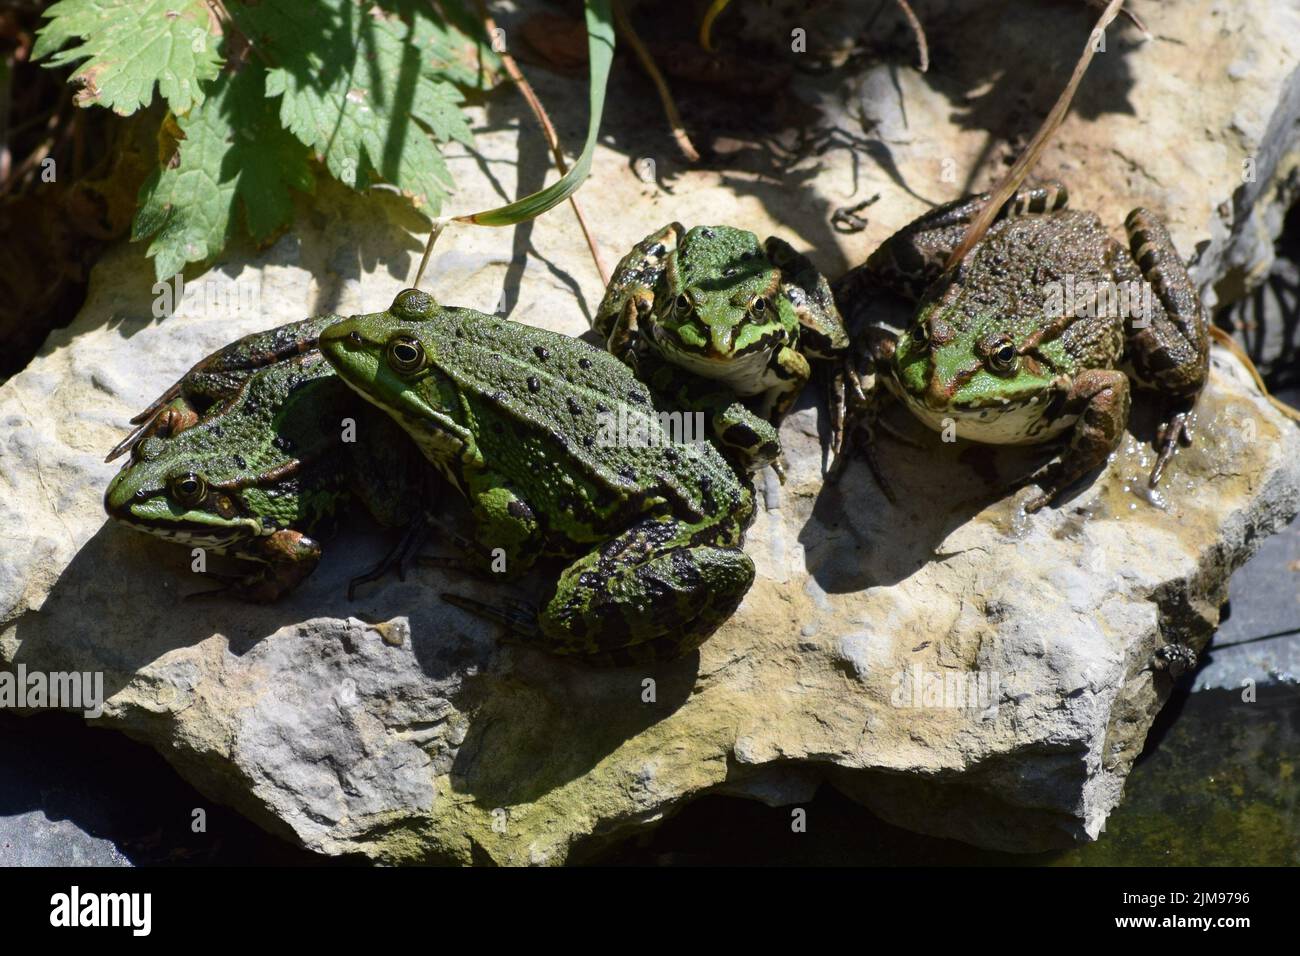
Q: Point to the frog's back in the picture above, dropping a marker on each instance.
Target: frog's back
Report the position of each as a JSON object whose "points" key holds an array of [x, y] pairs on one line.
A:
{"points": [[571, 402], [290, 411]]}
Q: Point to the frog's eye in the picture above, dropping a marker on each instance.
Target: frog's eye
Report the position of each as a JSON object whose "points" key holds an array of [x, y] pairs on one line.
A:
{"points": [[1003, 357], [682, 304], [758, 307], [189, 489], [919, 335], [405, 355]]}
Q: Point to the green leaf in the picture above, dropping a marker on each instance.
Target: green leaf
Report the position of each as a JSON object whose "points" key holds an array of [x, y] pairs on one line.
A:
{"points": [[128, 46], [600, 51], [361, 87], [234, 148]]}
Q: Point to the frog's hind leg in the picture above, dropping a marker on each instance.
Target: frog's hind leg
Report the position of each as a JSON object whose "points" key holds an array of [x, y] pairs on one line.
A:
{"points": [[1168, 338], [1045, 197], [649, 588]]}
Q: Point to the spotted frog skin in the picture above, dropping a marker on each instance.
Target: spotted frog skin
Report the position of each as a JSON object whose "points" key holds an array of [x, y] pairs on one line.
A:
{"points": [[1002, 351], [260, 472], [218, 378], [739, 318], [518, 420]]}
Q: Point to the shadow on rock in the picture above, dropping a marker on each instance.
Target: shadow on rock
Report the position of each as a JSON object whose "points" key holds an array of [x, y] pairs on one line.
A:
{"points": [[545, 722], [126, 599]]}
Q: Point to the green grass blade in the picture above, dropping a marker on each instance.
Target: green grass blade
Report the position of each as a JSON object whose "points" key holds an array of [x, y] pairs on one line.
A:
{"points": [[600, 48]]}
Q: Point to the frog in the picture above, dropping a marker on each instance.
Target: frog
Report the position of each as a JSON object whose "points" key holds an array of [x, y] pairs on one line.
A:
{"points": [[536, 431], [713, 303], [256, 477], [217, 378], [1042, 332]]}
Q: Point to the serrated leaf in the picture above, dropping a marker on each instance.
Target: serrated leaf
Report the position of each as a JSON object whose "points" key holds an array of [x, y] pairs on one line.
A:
{"points": [[455, 50], [234, 149], [131, 45], [352, 79]]}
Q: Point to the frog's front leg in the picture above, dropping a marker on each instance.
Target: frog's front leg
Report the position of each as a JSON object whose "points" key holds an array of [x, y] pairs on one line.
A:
{"points": [[623, 333], [822, 334], [647, 594], [1100, 397], [751, 438], [631, 288], [866, 397], [506, 528], [789, 371], [287, 557], [1168, 343]]}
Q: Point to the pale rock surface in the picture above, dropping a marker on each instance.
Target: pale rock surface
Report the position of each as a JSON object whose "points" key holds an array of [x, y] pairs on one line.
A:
{"points": [[397, 727]]}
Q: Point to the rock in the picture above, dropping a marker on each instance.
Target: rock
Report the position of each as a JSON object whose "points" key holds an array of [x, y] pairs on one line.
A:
{"points": [[398, 728]]}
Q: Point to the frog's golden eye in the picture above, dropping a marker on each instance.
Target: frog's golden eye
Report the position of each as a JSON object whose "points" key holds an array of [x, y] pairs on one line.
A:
{"points": [[189, 489], [758, 306], [682, 304], [405, 355], [1002, 357], [919, 335]]}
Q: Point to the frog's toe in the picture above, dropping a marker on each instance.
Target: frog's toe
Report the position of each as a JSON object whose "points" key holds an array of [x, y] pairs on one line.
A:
{"points": [[1173, 434], [1175, 659], [399, 558], [517, 616]]}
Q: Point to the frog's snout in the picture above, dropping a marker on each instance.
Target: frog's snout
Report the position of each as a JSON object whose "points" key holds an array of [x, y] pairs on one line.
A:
{"points": [[937, 394]]}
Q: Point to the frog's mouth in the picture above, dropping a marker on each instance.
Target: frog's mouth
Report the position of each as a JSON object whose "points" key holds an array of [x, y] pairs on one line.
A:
{"points": [[1002, 421], [214, 537], [744, 370]]}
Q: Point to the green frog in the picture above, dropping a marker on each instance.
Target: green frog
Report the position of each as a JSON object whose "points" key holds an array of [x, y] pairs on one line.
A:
{"points": [[219, 377], [1038, 333], [726, 309], [539, 432], [258, 474]]}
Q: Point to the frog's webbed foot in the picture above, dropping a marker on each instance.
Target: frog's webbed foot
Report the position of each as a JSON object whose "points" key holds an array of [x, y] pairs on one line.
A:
{"points": [[625, 332], [1044, 197], [157, 422], [858, 398], [1174, 433], [1174, 659], [1102, 397], [399, 557], [287, 559]]}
